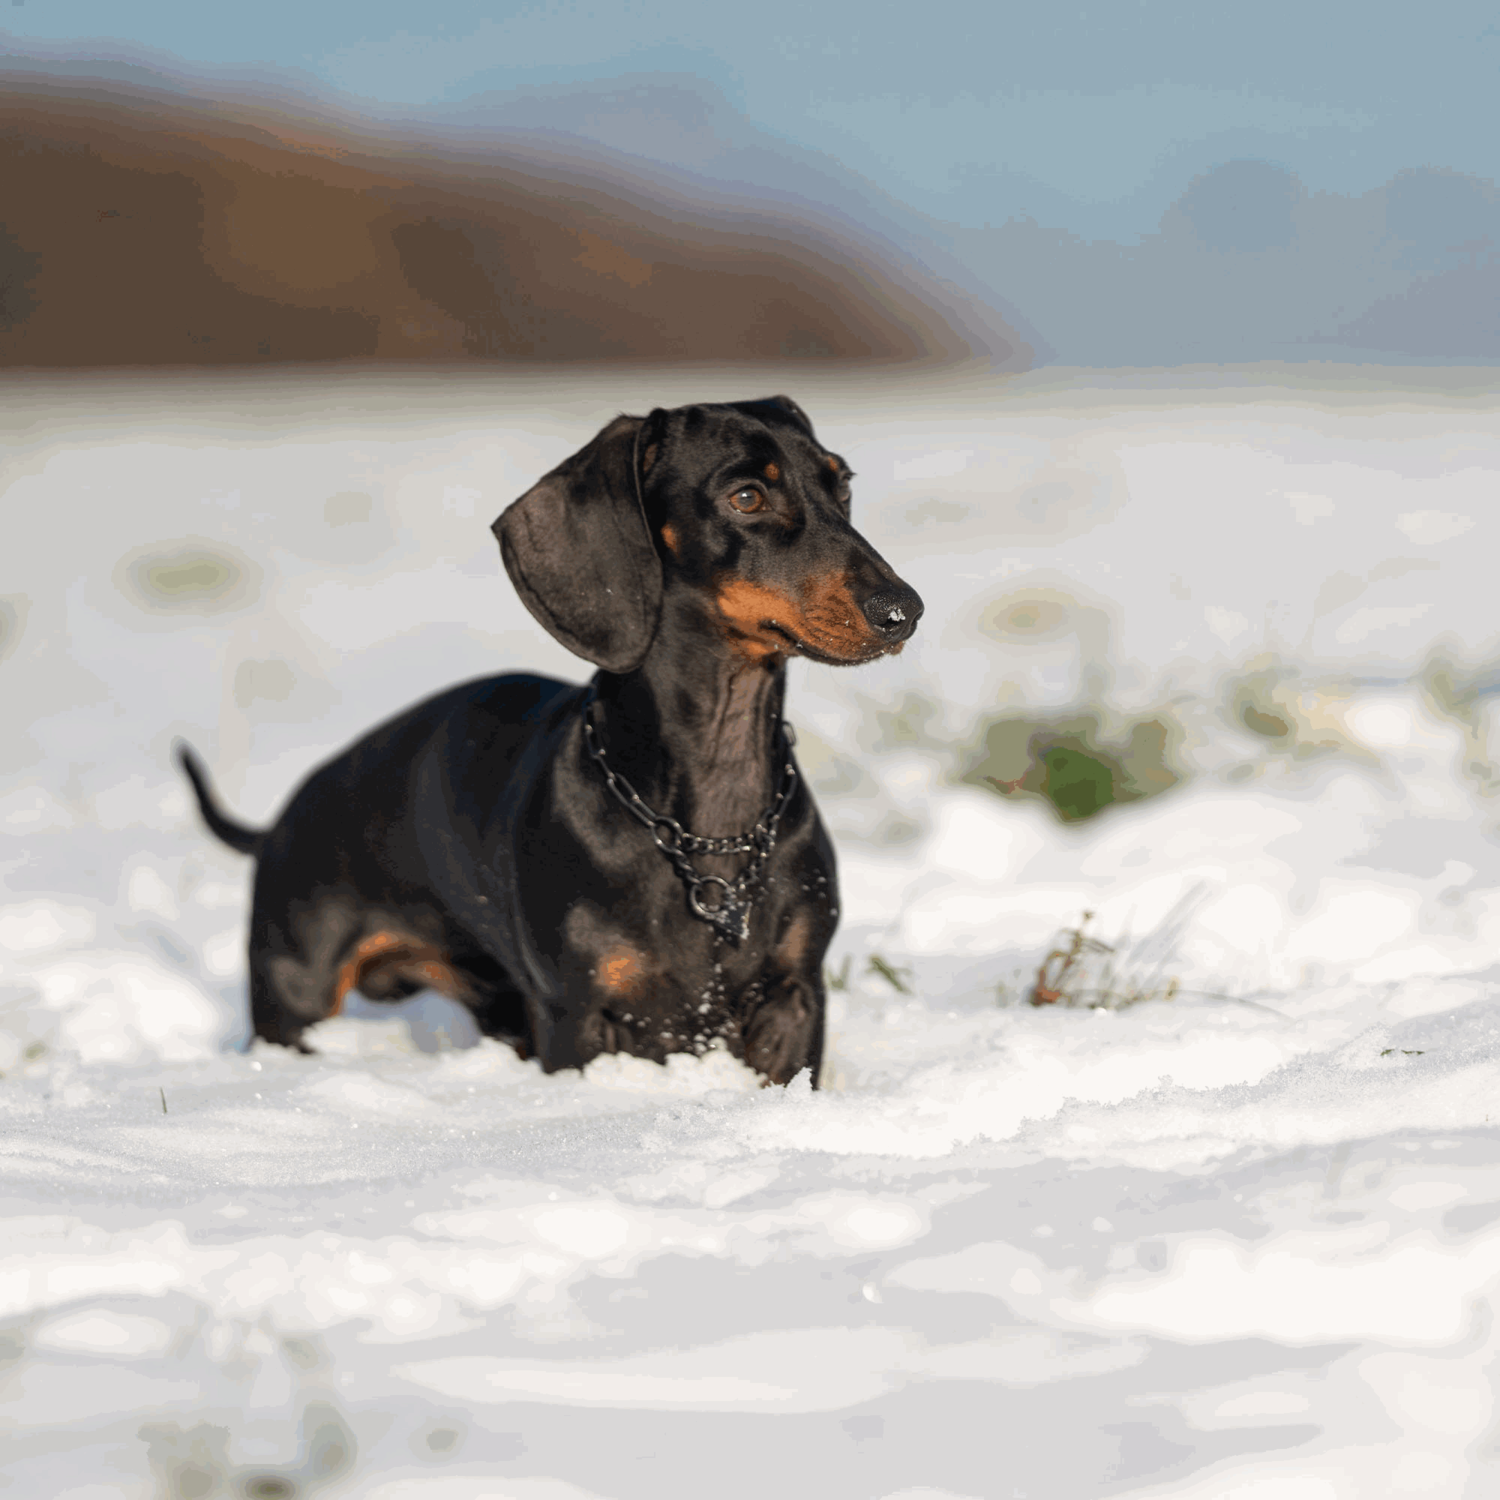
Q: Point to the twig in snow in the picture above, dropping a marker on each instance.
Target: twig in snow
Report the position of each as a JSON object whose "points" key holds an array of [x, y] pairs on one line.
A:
{"points": [[1083, 971], [893, 976]]}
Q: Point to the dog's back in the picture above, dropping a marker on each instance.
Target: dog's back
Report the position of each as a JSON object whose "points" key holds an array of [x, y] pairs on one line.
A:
{"points": [[371, 876]]}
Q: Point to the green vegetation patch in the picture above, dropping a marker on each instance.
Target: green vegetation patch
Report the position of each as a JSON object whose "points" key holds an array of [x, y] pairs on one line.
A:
{"points": [[1070, 762], [193, 579]]}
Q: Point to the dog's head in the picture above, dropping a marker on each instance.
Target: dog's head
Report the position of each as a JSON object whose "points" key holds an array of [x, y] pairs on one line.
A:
{"points": [[735, 512]]}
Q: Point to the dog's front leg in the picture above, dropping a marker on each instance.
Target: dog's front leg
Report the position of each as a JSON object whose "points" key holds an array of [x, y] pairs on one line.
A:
{"points": [[783, 1033]]}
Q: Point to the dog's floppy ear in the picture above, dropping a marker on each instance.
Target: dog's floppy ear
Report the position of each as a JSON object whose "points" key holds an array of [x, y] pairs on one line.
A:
{"points": [[779, 406], [794, 411], [577, 548]]}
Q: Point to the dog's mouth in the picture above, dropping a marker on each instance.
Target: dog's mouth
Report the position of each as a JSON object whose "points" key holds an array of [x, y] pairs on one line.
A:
{"points": [[795, 645], [828, 627]]}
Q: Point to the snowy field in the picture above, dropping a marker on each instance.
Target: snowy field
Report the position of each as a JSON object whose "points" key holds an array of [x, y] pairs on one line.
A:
{"points": [[1244, 1242]]}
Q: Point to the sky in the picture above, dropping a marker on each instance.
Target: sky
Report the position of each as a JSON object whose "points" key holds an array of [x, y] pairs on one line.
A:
{"points": [[1043, 143]]}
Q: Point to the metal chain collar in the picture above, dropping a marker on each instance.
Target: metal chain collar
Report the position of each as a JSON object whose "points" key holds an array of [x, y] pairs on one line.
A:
{"points": [[730, 916]]}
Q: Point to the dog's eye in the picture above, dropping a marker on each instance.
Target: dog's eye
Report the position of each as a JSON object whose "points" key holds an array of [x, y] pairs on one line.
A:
{"points": [[747, 500]]}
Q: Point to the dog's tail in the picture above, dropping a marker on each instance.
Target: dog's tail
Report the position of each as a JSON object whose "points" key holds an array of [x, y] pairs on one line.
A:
{"points": [[236, 835]]}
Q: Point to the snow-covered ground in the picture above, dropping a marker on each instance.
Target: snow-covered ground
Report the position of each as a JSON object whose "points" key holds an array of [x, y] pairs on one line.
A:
{"points": [[1241, 1243]]}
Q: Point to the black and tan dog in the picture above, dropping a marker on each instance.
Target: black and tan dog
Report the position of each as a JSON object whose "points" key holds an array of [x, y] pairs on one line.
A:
{"points": [[522, 844]]}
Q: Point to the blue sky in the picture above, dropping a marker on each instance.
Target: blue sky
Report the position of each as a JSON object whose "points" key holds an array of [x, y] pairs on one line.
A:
{"points": [[1085, 121]]}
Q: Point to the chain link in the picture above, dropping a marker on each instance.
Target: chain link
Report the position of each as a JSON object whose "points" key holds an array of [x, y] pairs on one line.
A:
{"points": [[730, 914]]}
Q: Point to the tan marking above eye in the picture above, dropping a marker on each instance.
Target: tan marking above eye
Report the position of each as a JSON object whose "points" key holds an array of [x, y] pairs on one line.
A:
{"points": [[669, 536], [756, 501], [833, 463], [773, 473]]}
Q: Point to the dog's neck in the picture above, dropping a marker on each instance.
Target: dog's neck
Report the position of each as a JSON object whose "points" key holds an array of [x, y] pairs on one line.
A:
{"points": [[698, 733]]}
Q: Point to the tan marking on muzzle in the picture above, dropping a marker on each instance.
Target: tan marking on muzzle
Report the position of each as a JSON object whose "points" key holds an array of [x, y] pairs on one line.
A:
{"points": [[746, 608], [829, 620], [835, 623], [669, 536]]}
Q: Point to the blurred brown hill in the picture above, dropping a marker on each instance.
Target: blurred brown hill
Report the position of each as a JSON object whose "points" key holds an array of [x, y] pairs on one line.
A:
{"points": [[156, 229]]}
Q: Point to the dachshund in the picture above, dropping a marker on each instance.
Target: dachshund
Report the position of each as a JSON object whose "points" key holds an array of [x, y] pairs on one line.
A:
{"points": [[523, 846]]}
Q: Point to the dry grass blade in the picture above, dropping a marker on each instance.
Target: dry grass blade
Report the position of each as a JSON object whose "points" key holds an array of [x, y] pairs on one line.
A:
{"points": [[1083, 971], [893, 976]]}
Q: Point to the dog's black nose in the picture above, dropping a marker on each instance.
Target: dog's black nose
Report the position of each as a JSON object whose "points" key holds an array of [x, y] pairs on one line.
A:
{"points": [[893, 611]]}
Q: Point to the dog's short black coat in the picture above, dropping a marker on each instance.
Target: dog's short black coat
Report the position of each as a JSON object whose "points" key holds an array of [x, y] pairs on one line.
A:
{"points": [[472, 844]]}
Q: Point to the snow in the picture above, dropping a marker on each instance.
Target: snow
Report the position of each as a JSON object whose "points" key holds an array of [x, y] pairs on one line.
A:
{"points": [[1240, 1243]]}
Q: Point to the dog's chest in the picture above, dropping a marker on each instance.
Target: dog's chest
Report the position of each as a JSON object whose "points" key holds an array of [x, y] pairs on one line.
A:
{"points": [[650, 944]]}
